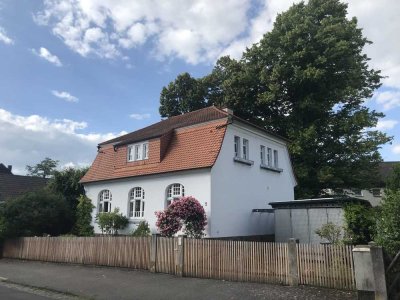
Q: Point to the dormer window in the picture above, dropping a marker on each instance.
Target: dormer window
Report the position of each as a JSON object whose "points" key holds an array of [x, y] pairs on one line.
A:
{"points": [[138, 151]]}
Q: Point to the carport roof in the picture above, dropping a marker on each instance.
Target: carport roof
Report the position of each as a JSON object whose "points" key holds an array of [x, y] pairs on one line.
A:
{"points": [[318, 202]]}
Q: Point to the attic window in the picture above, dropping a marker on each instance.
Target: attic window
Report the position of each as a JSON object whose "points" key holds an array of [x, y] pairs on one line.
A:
{"points": [[138, 151]]}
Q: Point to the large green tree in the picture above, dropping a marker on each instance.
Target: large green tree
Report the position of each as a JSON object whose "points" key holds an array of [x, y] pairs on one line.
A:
{"points": [[307, 79], [43, 169]]}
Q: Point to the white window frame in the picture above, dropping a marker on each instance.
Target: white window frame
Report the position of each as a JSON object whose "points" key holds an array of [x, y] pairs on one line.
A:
{"points": [[138, 152], [262, 154], [276, 159], [269, 157], [174, 191], [245, 148], [136, 196], [237, 146], [105, 198]]}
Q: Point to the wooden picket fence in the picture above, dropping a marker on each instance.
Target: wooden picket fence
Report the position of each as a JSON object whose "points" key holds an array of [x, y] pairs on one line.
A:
{"points": [[319, 265]]}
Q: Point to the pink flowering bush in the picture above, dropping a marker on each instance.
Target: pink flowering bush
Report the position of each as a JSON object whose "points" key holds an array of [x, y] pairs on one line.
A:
{"points": [[186, 212]]}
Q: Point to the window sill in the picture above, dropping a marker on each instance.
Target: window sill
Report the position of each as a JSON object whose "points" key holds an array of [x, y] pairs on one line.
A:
{"points": [[270, 168], [243, 161]]}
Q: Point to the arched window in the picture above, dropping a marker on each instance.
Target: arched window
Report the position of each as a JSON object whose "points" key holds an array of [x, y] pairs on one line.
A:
{"points": [[136, 203], [105, 198], [174, 191]]}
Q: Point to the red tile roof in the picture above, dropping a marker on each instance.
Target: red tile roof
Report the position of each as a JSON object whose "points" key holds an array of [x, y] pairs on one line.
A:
{"points": [[184, 142]]}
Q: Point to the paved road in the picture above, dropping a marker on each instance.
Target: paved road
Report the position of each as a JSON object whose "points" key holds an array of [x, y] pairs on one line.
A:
{"points": [[114, 283], [15, 294]]}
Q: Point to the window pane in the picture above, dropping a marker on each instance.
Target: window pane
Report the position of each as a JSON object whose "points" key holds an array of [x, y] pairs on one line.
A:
{"points": [[101, 207], [137, 208], [145, 151], [106, 206], [131, 209], [237, 146], [275, 158], [245, 149], [142, 208], [137, 152], [269, 156], [130, 156], [262, 154]]}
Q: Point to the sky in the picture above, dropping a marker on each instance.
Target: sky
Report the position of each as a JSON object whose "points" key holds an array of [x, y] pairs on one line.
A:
{"points": [[78, 72]]}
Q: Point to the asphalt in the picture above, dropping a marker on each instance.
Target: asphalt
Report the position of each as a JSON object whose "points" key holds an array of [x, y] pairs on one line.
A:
{"points": [[14, 294], [91, 282]]}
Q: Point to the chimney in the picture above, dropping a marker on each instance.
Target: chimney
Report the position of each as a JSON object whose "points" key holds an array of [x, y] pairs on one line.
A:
{"points": [[228, 110], [9, 167]]}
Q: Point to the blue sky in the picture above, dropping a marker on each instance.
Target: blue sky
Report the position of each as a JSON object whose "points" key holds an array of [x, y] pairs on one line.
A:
{"points": [[74, 73]]}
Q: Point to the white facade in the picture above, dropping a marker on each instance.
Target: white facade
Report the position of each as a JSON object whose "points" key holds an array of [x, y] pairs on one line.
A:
{"points": [[228, 191]]}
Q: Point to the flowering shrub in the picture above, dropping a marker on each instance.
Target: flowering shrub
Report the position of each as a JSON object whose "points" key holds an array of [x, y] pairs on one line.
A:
{"points": [[186, 213]]}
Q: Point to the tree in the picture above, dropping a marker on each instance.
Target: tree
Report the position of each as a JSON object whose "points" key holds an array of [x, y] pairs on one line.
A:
{"points": [[307, 79], [331, 232], [393, 181], [111, 222], [35, 214], [83, 224], [360, 223], [66, 183], [43, 169], [186, 213]]}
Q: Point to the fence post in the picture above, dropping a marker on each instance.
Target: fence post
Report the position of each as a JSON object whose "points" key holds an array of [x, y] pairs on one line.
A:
{"points": [[153, 252], [179, 255], [292, 256], [369, 272]]}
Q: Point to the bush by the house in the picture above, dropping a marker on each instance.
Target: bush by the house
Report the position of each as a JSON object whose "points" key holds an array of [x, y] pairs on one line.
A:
{"points": [[36, 214], [186, 213], [330, 232], [111, 222], [83, 226], [142, 230], [360, 223], [388, 224]]}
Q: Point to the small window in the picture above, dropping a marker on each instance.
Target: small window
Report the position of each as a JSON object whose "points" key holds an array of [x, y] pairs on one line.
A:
{"points": [[376, 192], [262, 154], [174, 192], [136, 203], [138, 152], [357, 192], [105, 198], [245, 149], [237, 146], [269, 156], [276, 160]]}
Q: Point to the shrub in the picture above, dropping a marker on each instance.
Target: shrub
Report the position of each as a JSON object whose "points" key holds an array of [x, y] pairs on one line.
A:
{"points": [[330, 232], [186, 213], [83, 226], [36, 214], [111, 222], [143, 229], [360, 223], [388, 225]]}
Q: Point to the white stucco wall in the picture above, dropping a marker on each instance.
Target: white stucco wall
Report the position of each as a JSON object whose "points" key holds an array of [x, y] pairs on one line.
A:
{"points": [[197, 183], [237, 188]]}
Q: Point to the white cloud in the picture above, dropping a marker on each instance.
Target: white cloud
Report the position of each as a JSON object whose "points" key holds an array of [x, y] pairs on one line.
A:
{"points": [[26, 140], [396, 149], [45, 54], [140, 116], [386, 124], [388, 99], [65, 96], [5, 38]]}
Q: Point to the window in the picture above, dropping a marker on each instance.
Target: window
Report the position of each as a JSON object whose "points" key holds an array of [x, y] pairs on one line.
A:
{"points": [[136, 203], [376, 192], [174, 191], [245, 149], [269, 157], [105, 198], [138, 152], [357, 192], [237, 146], [262, 154], [276, 164]]}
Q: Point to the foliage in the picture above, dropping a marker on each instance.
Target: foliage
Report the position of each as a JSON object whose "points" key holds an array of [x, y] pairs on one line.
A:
{"points": [[143, 229], [388, 225], [43, 169], [393, 182], [186, 213], [360, 223], [36, 214], [66, 182], [330, 232], [83, 226], [111, 222], [307, 79]]}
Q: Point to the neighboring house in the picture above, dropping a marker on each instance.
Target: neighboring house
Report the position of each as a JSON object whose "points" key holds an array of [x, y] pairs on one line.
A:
{"points": [[230, 165], [12, 186], [300, 219], [375, 193]]}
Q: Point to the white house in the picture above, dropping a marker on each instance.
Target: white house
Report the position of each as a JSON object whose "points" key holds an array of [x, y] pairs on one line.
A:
{"points": [[230, 165]]}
